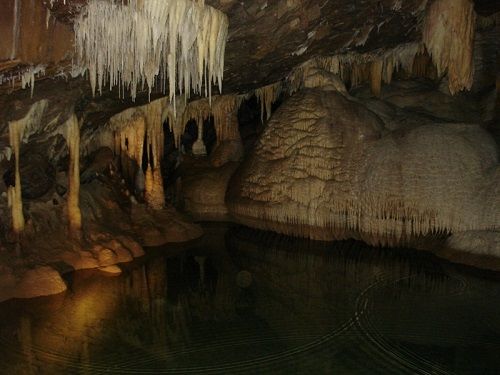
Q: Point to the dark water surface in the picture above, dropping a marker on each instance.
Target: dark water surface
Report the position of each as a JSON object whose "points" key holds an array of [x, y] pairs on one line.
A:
{"points": [[242, 301]]}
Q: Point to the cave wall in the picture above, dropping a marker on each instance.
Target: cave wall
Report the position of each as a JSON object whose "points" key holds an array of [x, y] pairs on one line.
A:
{"points": [[31, 36]]}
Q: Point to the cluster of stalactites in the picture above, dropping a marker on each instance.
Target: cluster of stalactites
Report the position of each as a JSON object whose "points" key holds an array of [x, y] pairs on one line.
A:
{"points": [[221, 109], [139, 129], [449, 31], [267, 95], [174, 43], [377, 221], [448, 38], [27, 77], [374, 67]]}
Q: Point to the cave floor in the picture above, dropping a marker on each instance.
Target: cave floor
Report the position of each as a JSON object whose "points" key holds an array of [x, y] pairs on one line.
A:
{"points": [[244, 301]]}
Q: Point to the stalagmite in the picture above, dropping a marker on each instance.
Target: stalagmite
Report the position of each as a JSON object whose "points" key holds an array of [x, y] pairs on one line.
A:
{"points": [[17, 131], [448, 34], [73, 141], [151, 42], [199, 146]]}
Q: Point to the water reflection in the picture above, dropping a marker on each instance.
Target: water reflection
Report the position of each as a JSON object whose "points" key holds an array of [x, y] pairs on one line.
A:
{"points": [[248, 301]]}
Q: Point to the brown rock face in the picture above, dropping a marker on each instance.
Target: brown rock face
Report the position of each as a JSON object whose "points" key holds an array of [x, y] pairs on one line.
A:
{"points": [[30, 35]]}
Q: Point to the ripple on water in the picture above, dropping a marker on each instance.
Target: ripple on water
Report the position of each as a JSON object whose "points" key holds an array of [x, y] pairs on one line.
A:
{"points": [[262, 307]]}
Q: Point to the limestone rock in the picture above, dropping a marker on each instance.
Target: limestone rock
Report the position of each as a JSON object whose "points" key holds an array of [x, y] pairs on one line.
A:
{"points": [[204, 192], [80, 260], [227, 151], [158, 227], [122, 253], [476, 242], [102, 159], [40, 281], [111, 270], [105, 257], [37, 175], [134, 247]]}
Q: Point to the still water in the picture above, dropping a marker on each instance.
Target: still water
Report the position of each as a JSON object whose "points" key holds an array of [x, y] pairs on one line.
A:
{"points": [[243, 301]]}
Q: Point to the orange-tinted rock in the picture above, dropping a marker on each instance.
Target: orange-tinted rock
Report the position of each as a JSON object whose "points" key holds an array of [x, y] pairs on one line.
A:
{"points": [[41, 281], [27, 36]]}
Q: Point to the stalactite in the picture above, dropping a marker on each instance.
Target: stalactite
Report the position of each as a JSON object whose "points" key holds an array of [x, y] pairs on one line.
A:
{"points": [[146, 41], [448, 34], [28, 77], [139, 126], [154, 192], [17, 131], [221, 109], [73, 141], [357, 68], [267, 95]]}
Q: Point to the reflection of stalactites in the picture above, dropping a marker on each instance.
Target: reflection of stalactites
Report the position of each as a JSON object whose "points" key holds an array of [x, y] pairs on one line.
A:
{"points": [[25, 339], [201, 264], [85, 357]]}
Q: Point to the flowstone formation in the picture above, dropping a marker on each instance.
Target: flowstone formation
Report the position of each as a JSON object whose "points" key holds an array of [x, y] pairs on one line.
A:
{"points": [[326, 167]]}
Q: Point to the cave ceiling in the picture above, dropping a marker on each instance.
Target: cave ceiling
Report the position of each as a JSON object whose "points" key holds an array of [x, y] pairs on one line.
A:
{"points": [[266, 38]]}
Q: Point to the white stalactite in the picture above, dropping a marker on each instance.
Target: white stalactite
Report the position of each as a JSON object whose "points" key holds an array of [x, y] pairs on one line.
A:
{"points": [[150, 42]]}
